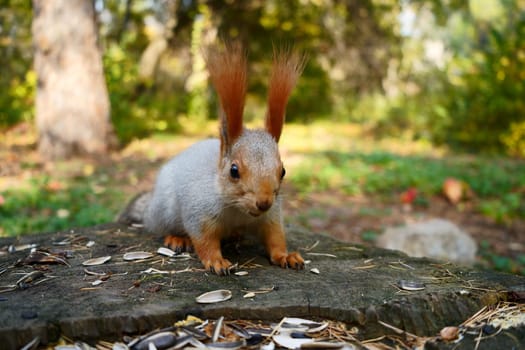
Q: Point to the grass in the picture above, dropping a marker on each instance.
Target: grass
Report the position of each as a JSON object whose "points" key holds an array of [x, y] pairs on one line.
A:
{"points": [[498, 183], [48, 205], [319, 157]]}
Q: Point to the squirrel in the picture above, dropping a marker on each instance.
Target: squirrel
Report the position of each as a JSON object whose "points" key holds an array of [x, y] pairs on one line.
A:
{"points": [[218, 187]]}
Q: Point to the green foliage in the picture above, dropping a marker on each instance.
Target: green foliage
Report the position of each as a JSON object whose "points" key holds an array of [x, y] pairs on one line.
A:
{"points": [[18, 100], [495, 181], [17, 81], [312, 98], [514, 139], [369, 236], [505, 208], [137, 108], [361, 66], [484, 89], [502, 263], [40, 208]]}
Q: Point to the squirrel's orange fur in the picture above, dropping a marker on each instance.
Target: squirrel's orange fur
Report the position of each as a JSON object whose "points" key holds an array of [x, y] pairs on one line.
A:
{"points": [[287, 68]]}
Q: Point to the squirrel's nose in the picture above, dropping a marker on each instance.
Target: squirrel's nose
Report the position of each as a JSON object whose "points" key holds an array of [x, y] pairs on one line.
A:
{"points": [[263, 205]]}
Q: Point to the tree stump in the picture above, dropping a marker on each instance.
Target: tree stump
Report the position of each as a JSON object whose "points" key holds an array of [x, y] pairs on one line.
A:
{"points": [[355, 284]]}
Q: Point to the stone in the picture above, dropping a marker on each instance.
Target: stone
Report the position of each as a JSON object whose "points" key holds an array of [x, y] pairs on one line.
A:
{"points": [[435, 238]]}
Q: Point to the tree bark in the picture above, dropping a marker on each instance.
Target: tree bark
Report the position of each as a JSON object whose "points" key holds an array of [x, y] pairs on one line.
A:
{"points": [[72, 104]]}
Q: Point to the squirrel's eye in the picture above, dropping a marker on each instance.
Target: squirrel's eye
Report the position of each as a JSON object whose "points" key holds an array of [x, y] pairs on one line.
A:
{"points": [[234, 171], [283, 173]]}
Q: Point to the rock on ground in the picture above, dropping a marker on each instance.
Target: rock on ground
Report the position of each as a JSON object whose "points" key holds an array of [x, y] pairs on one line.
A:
{"points": [[435, 238]]}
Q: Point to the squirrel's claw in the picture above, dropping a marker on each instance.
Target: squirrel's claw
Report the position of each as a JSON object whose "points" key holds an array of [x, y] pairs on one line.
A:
{"points": [[295, 261], [292, 260], [221, 267], [178, 244]]}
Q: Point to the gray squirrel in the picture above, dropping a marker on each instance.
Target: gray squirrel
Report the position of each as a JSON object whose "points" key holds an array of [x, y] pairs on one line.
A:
{"points": [[220, 187]]}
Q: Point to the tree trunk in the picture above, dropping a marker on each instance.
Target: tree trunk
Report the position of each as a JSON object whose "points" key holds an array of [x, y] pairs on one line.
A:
{"points": [[72, 104]]}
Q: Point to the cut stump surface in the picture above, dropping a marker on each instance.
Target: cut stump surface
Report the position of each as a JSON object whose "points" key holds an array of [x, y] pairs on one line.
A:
{"points": [[355, 284]]}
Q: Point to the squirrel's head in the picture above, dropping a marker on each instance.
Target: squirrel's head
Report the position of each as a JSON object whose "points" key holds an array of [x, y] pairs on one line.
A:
{"points": [[252, 172], [250, 166]]}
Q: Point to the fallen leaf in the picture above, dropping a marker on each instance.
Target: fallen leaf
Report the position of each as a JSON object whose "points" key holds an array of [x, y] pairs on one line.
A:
{"points": [[453, 190], [449, 333], [409, 196]]}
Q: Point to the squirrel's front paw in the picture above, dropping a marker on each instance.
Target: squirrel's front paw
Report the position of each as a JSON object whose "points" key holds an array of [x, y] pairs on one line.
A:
{"points": [[178, 244], [220, 266], [293, 260]]}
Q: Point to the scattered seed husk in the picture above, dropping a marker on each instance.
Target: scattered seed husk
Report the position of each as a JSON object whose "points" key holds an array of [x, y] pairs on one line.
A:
{"points": [[137, 256], [97, 261], [249, 295], [64, 241], [90, 244], [161, 340], [215, 296], [316, 327], [269, 346], [411, 285], [67, 347], [227, 345], [44, 257], [315, 270], [241, 332], [119, 346], [74, 239], [217, 329], [29, 278], [300, 335], [96, 282], [17, 248], [241, 273], [262, 331], [184, 340], [166, 252], [286, 341], [323, 345], [296, 323], [197, 333]]}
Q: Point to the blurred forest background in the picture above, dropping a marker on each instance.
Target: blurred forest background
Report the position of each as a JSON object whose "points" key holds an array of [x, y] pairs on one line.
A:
{"points": [[445, 78], [448, 71]]}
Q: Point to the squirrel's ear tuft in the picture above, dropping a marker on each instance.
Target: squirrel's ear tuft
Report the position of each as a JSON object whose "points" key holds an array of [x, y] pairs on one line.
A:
{"points": [[287, 67], [227, 70]]}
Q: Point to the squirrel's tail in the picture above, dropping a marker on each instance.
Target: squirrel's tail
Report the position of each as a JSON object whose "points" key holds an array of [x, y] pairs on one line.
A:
{"points": [[134, 211]]}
